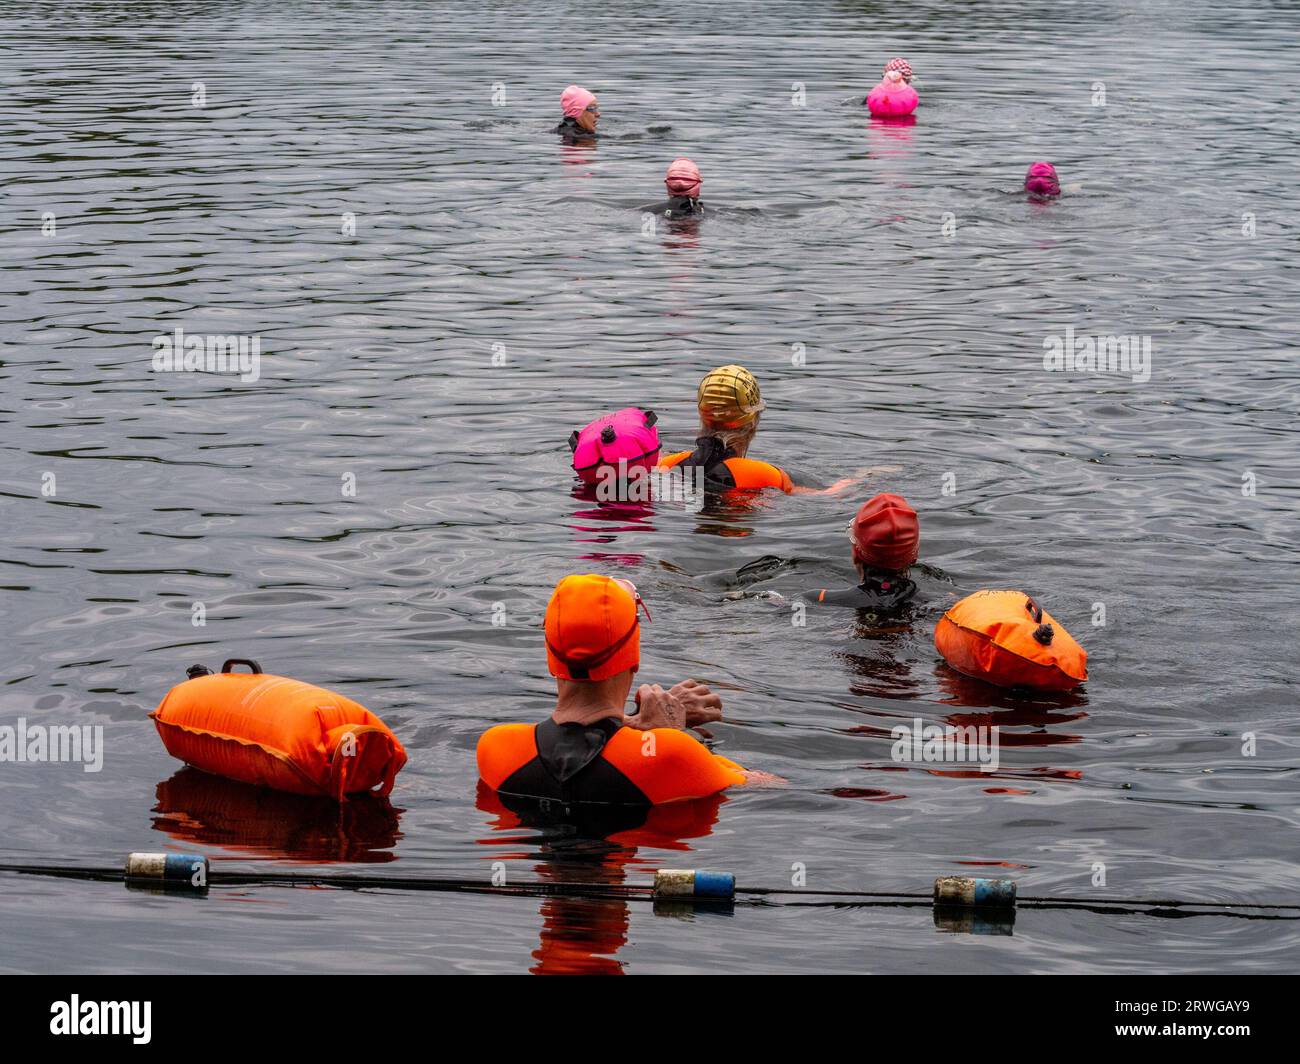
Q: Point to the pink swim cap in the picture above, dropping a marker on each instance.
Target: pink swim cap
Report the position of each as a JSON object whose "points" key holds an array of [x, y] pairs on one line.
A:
{"points": [[902, 66], [1041, 180], [683, 179], [574, 100], [628, 435]]}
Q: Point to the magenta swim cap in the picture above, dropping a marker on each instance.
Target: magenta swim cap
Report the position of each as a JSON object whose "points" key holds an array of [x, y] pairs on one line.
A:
{"points": [[627, 436], [1041, 180], [574, 100], [683, 179]]}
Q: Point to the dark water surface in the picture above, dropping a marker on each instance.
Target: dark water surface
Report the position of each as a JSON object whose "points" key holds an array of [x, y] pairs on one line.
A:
{"points": [[477, 233]]}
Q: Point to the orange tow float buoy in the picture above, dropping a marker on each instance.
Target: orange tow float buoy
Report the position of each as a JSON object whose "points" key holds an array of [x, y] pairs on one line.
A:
{"points": [[276, 732], [1006, 638]]}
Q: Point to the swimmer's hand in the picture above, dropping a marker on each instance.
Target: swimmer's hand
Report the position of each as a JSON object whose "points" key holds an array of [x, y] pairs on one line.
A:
{"points": [[756, 777], [702, 705], [685, 705]]}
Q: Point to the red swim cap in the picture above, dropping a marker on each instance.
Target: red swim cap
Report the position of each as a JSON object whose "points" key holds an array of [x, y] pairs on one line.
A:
{"points": [[683, 179], [885, 533]]}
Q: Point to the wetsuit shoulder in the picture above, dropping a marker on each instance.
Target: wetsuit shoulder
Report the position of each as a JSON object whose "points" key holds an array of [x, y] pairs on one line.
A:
{"points": [[557, 762], [569, 127], [751, 473], [503, 750], [668, 765]]}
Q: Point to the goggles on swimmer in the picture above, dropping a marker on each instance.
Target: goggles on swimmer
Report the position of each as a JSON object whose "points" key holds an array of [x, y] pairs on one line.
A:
{"points": [[630, 588]]}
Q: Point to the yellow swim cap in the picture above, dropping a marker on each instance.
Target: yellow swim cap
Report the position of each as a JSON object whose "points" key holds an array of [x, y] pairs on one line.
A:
{"points": [[729, 398]]}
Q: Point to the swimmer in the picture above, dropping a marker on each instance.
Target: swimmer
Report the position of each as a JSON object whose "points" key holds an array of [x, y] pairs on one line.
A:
{"points": [[886, 538], [683, 183], [581, 113], [1041, 181], [729, 404], [589, 750]]}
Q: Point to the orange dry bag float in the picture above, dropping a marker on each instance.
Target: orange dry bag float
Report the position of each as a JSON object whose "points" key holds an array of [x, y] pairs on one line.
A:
{"points": [[1006, 638], [727, 474], [276, 732]]}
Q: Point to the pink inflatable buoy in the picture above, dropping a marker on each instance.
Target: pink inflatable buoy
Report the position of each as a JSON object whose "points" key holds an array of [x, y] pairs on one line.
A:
{"points": [[618, 442], [893, 97]]}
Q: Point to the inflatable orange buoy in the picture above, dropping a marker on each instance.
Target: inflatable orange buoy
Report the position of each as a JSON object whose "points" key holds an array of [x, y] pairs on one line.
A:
{"points": [[1006, 638], [277, 732]]}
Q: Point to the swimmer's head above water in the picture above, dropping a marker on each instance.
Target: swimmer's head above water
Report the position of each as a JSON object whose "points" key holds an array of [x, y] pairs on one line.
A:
{"points": [[885, 534], [593, 649], [683, 179], [1041, 180], [903, 67], [581, 111], [730, 402], [592, 629]]}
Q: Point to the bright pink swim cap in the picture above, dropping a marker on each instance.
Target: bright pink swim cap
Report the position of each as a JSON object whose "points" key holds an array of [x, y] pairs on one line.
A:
{"points": [[1041, 180], [628, 435], [574, 100], [902, 66], [683, 179]]}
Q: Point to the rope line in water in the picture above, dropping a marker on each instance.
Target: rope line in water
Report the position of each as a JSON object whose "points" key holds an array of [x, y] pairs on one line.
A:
{"points": [[633, 892]]}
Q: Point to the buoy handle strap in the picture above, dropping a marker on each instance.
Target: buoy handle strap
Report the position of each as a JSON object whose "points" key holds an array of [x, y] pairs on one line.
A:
{"points": [[1035, 610], [253, 666]]}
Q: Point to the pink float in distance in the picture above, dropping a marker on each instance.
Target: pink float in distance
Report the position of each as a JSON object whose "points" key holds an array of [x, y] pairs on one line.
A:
{"points": [[893, 97]]}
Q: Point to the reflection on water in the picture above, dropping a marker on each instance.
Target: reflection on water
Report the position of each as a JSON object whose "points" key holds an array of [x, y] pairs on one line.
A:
{"points": [[256, 822], [585, 845]]}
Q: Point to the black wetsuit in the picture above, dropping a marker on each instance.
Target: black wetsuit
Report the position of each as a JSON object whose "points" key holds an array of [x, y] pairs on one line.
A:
{"points": [[676, 207], [570, 130], [710, 455], [568, 767], [883, 592]]}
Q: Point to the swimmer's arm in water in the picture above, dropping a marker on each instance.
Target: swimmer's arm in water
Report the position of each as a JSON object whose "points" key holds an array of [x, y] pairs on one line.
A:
{"points": [[841, 485]]}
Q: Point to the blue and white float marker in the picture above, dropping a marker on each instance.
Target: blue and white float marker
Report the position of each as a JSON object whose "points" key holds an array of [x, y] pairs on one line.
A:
{"points": [[689, 883], [968, 890], [185, 871]]}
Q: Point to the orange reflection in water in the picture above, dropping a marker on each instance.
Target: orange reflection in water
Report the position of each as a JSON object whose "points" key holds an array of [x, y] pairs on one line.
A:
{"points": [[195, 807], [588, 845]]}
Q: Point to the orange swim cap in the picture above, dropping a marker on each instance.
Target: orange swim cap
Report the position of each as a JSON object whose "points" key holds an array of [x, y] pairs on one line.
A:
{"points": [[885, 533], [592, 632]]}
